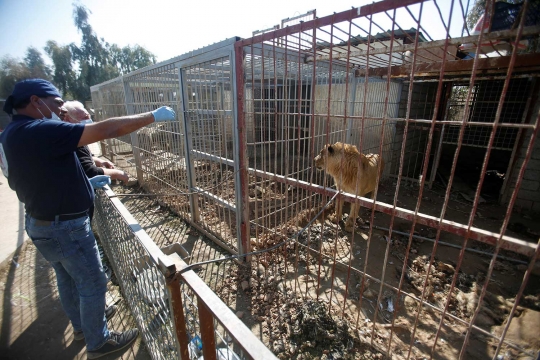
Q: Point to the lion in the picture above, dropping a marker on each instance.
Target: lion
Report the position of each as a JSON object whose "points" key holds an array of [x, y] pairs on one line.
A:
{"points": [[341, 161]]}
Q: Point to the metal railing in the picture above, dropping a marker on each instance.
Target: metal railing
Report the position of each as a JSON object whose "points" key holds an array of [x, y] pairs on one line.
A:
{"points": [[177, 314]]}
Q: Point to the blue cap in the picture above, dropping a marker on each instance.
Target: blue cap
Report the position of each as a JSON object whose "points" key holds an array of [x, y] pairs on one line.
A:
{"points": [[26, 88]]}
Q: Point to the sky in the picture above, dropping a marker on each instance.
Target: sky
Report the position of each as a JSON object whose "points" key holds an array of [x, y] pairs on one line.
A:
{"points": [[167, 28]]}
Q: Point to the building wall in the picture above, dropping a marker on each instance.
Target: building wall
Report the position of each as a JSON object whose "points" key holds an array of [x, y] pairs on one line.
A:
{"points": [[422, 107], [376, 95], [529, 193]]}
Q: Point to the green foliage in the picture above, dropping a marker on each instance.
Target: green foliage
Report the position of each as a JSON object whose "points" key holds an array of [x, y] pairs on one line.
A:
{"points": [[36, 65], [474, 14], [75, 68], [63, 75], [13, 70], [93, 56], [129, 58], [478, 10]]}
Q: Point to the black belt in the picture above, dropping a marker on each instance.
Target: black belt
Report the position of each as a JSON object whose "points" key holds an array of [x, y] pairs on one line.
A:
{"points": [[47, 220]]}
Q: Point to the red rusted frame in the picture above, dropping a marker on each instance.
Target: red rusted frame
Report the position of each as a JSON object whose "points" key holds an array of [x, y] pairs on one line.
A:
{"points": [[371, 221], [488, 237], [206, 322], [518, 298], [242, 156], [524, 62], [401, 161], [347, 15], [506, 220], [173, 284], [363, 119]]}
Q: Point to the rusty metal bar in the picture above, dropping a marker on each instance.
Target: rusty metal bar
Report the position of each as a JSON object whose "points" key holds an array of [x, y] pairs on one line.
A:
{"points": [[378, 177], [363, 119], [401, 161], [419, 121], [517, 299], [173, 284], [207, 330], [347, 136], [252, 346], [354, 13], [524, 62], [243, 196], [509, 243], [423, 180], [533, 30], [484, 168]]}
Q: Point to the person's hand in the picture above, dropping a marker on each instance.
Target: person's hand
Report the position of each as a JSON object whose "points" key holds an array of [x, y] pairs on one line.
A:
{"points": [[100, 181], [164, 113], [105, 164], [117, 174]]}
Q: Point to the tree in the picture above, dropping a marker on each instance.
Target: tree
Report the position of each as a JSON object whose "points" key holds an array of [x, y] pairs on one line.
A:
{"points": [[63, 75], [478, 10], [36, 65], [93, 56], [12, 70], [75, 68], [128, 58]]}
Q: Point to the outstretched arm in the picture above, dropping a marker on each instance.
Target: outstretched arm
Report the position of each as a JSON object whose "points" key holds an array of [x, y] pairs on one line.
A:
{"points": [[119, 126]]}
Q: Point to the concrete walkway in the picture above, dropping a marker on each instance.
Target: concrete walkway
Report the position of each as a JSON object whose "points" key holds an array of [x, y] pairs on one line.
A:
{"points": [[12, 234], [32, 322]]}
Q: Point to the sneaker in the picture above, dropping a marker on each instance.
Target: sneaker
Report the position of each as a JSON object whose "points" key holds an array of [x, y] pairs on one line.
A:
{"points": [[117, 341], [109, 313]]}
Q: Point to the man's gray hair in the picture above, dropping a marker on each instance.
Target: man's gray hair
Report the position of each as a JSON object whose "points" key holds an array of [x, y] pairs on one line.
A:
{"points": [[73, 108]]}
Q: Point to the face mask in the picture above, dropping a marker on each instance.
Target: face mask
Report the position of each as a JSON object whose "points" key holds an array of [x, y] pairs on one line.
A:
{"points": [[87, 121], [53, 114]]}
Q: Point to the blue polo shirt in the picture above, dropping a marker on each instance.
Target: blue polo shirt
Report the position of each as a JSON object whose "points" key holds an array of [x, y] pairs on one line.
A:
{"points": [[40, 164]]}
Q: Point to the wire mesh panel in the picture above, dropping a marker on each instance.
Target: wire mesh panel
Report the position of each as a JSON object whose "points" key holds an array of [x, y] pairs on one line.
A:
{"points": [[160, 148], [109, 101], [485, 94], [208, 115], [142, 283], [197, 170], [149, 279]]}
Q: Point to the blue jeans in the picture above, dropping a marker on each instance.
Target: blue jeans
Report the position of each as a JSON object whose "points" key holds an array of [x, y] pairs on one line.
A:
{"points": [[71, 248]]}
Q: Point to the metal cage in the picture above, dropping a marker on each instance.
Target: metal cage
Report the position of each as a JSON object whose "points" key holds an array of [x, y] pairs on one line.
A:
{"points": [[454, 114]]}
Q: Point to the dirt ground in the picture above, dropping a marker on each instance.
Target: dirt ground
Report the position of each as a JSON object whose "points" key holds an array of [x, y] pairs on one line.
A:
{"points": [[33, 324], [308, 299], [281, 294]]}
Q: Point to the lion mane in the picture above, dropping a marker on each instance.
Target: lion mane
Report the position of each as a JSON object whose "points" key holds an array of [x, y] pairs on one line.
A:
{"points": [[342, 162]]}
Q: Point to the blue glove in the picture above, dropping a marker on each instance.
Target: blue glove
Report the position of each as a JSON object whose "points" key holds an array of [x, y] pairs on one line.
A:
{"points": [[164, 113], [100, 181]]}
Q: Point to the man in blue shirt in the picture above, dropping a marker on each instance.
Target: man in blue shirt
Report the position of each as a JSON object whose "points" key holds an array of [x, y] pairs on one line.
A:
{"points": [[37, 156]]}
